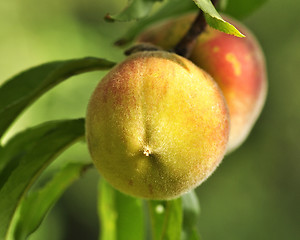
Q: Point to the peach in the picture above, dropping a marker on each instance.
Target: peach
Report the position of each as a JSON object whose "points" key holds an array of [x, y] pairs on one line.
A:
{"points": [[237, 64], [157, 125]]}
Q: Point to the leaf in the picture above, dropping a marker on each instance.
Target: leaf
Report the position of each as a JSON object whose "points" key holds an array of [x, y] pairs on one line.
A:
{"points": [[214, 19], [121, 216], [34, 207], [240, 9], [135, 9], [170, 9], [107, 211], [25, 156], [191, 212], [21, 90], [166, 218]]}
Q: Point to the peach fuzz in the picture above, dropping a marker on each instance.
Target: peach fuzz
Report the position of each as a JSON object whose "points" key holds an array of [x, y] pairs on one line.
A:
{"points": [[157, 126]]}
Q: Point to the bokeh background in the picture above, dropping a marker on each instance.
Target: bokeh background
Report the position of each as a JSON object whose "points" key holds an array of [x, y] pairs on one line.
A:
{"points": [[254, 194]]}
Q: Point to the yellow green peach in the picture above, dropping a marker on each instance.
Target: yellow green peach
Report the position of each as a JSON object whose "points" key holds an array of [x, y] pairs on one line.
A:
{"points": [[157, 125]]}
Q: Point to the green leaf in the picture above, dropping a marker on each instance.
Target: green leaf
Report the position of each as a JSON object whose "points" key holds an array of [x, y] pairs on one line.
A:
{"points": [[240, 9], [121, 216], [135, 9], [20, 91], [36, 204], [25, 156], [214, 19], [191, 212], [166, 219], [170, 8]]}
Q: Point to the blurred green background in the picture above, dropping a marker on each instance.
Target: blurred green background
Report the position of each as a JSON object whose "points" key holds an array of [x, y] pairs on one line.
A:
{"points": [[254, 194]]}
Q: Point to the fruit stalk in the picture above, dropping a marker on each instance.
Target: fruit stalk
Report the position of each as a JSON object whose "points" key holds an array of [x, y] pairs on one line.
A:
{"points": [[186, 44]]}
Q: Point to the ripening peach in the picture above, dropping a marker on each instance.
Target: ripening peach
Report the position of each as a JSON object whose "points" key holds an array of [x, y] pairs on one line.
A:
{"points": [[237, 64], [156, 125]]}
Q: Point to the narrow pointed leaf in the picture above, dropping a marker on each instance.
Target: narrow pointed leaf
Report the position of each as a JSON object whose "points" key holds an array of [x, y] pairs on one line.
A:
{"points": [[35, 206], [169, 9], [121, 216], [191, 212], [135, 9], [214, 19], [25, 156], [107, 212], [157, 216], [21, 90], [166, 218]]}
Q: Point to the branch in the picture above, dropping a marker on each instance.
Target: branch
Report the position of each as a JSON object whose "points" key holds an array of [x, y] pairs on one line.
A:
{"points": [[186, 44]]}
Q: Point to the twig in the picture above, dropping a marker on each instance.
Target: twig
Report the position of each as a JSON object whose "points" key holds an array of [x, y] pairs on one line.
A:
{"points": [[185, 45]]}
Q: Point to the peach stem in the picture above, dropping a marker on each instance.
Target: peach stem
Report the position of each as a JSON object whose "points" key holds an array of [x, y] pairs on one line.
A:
{"points": [[185, 45]]}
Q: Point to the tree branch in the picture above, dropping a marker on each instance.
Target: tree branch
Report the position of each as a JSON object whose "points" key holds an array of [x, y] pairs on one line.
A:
{"points": [[186, 44]]}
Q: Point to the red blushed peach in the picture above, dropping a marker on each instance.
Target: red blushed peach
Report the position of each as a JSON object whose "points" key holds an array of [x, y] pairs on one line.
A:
{"points": [[237, 64], [157, 126]]}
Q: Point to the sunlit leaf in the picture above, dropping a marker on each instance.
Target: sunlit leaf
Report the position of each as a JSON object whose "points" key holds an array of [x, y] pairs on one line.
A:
{"points": [[170, 8], [35, 206], [191, 212], [21, 90], [121, 216], [214, 19], [135, 9], [25, 156], [166, 219]]}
